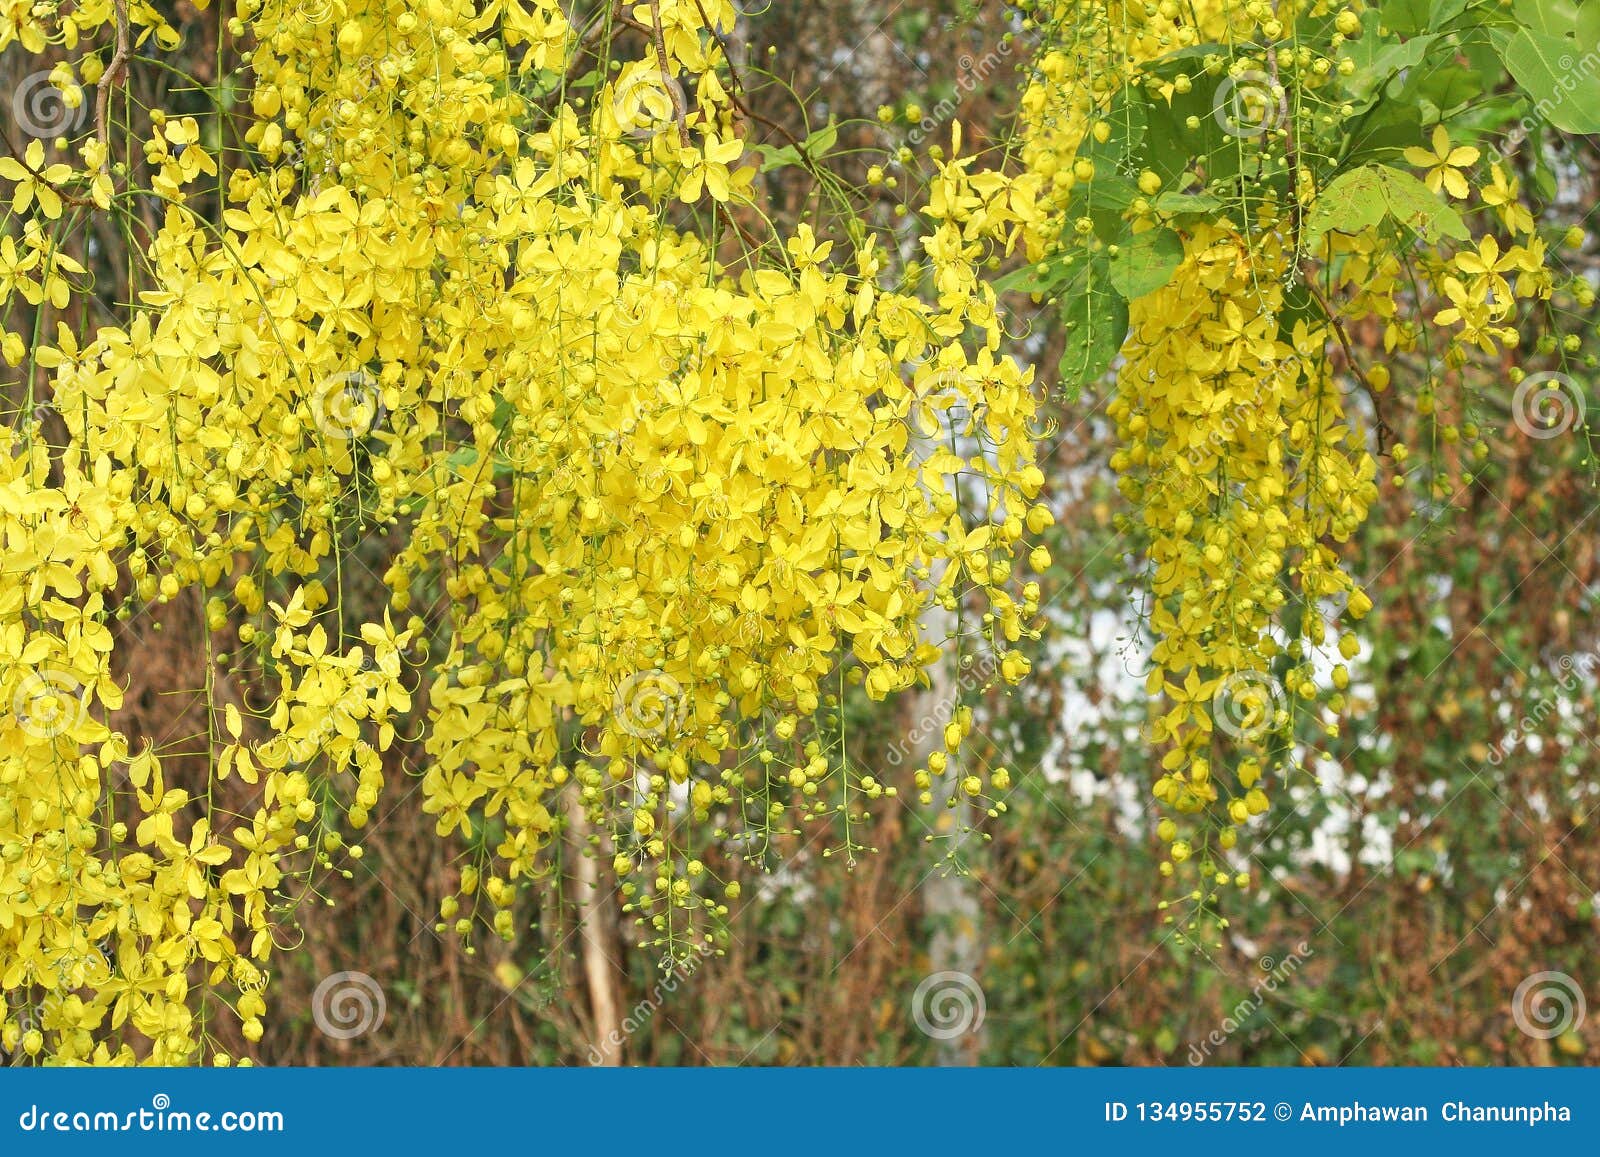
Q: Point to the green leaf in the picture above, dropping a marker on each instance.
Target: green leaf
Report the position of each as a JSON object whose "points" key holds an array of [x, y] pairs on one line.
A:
{"points": [[1491, 116], [1351, 202], [1189, 203], [773, 157], [1299, 304], [1040, 277], [1386, 131], [1095, 320], [1172, 149], [821, 142], [1587, 28], [815, 147], [1109, 190], [1449, 89], [1563, 82], [1361, 198], [1126, 117], [1105, 201], [1145, 262], [1553, 17], [1418, 208], [1407, 17], [1380, 59], [1544, 177]]}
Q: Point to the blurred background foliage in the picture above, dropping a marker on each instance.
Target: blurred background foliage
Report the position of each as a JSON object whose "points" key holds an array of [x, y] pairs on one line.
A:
{"points": [[1448, 856]]}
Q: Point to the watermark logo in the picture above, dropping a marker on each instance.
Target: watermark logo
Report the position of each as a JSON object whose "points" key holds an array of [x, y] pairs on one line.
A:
{"points": [[75, 969], [1547, 1004], [674, 973], [1246, 705], [1249, 104], [316, 12], [974, 672], [50, 702], [42, 110], [347, 1005], [348, 405], [646, 703], [1547, 405], [947, 1005], [646, 100], [1573, 672]]}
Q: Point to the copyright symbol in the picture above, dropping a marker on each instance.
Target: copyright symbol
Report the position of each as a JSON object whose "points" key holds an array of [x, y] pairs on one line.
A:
{"points": [[1282, 1111]]}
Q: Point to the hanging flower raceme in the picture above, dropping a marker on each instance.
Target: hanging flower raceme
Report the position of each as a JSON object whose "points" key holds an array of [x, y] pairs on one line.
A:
{"points": [[638, 516], [1219, 216]]}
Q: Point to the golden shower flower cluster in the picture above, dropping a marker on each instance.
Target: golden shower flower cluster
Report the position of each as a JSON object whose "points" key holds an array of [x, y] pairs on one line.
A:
{"points": [[642, 513], [1213, 227]]}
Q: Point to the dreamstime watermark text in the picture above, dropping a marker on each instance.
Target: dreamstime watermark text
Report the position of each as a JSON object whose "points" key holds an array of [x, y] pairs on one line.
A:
{"points": [[640, 1014], [1275, 974], [932, 722], [158, 1117]]}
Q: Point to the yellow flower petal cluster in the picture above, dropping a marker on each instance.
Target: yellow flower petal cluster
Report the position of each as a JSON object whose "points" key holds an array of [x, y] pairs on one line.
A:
{"points": [[633, 511], [1245, 470], [1247, 426]]}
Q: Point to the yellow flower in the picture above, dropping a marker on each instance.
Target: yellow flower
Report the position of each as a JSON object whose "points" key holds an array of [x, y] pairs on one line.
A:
{"points": [[708, 166], [35, 181], [1504, 195], [1444, 163]]}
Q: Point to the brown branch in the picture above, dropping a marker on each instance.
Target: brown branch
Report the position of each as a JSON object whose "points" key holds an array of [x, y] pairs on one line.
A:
{"points": [[733, 71], [116, 72], [1386, 436], [40, 179], [658, 38]]}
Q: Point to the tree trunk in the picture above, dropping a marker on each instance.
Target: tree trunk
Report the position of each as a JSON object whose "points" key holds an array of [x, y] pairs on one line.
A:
{"points": [[597, 934]]}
